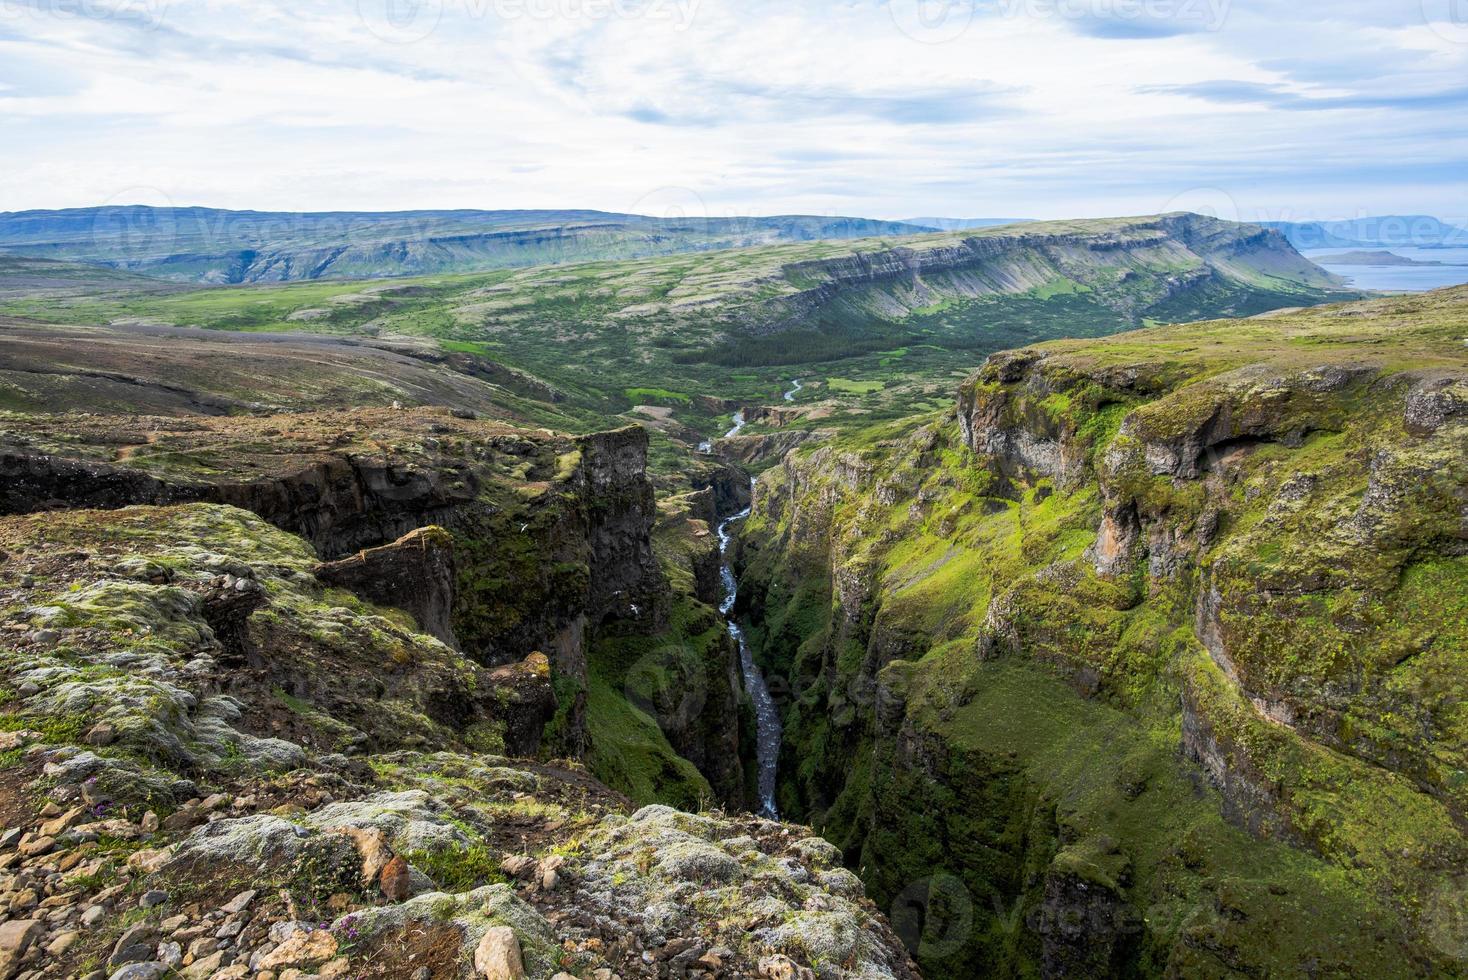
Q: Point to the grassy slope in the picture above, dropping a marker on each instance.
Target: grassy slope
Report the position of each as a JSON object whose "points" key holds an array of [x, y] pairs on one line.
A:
{"points": [[1042, 699]]}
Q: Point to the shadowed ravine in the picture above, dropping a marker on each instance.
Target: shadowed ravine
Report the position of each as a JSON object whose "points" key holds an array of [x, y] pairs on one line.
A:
{"points": [[767, 716]]}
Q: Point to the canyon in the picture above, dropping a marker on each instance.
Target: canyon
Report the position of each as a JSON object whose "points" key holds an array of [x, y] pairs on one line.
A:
{"points": [[1107, 658]]}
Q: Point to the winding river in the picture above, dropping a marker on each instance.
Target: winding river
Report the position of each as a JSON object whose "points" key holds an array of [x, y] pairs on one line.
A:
{"points": [[766, 715], [740, 422]]}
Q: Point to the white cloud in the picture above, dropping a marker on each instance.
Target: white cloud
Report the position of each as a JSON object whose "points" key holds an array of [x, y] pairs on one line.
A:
{"points": [[1026, 107]]}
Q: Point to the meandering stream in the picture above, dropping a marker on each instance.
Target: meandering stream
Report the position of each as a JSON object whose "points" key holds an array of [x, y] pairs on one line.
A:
{"points": [[766, 715], [739, 424]]}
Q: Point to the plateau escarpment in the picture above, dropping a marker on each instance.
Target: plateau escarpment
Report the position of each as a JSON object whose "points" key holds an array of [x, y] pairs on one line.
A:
{"points": [[216, 246], [1149, 660], [1134, 267], [674, 343]]}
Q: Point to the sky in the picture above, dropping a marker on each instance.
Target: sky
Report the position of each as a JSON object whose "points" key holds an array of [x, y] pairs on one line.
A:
{"points": [[1245, 109]]}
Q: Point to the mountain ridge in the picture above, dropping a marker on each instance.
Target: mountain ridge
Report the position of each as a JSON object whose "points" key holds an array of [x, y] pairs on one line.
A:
{"points": [[217, 245], [1384, 231]]}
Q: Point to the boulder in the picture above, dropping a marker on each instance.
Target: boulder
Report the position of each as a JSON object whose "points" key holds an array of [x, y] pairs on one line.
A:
{"points": [[498, 955], [16, 937], [301, 950], [396, 880]]}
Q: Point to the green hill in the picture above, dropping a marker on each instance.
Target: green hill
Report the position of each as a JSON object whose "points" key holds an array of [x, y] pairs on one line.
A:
{"points": [[877, 326]]}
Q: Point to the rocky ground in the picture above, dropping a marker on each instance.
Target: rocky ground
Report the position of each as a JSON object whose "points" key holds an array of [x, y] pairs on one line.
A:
{"points": [[218, 766]]}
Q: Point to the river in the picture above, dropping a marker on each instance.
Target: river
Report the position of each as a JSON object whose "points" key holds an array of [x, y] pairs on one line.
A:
{"points": [[739, 421], [766, 715]]}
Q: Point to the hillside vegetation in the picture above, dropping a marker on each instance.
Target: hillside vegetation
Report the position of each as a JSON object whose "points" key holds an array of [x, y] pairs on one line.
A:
{"points": [[1151, 655], [693, 337], [366, 628]]}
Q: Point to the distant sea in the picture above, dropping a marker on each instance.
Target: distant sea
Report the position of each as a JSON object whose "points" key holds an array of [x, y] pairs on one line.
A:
{"points": [[1401, 278]]}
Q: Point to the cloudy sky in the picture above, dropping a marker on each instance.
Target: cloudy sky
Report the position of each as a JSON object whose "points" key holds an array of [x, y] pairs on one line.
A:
{"points": [[890, 108]]}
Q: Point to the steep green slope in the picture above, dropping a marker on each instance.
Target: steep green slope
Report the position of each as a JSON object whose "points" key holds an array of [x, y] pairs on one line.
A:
{"points": [[218, 246], [1150, 660]]}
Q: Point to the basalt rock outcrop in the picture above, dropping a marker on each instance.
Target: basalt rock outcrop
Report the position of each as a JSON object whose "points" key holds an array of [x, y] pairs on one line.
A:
{"points": [[350, 801], [414, 573], [1132, 267], [501, 542]]}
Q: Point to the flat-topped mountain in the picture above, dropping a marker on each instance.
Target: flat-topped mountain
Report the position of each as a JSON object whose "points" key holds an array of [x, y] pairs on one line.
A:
{"points": [[876, 324], [1374, 258], [192, 244]]}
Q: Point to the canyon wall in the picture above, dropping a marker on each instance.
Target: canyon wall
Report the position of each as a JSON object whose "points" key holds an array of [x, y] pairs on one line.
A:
{"points": [[1147, 659]]}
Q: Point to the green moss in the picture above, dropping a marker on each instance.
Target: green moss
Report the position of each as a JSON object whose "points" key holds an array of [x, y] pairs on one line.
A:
{"points": [[1041, 703], [459, 869], [640, 686]]}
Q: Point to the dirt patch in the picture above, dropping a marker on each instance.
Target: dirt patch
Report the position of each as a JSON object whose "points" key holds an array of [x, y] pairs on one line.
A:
{"points": [[408, 951], [17, 802]]}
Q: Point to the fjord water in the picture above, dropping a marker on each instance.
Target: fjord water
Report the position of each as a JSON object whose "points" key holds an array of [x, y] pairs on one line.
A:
{"points": [[1401, 278], [766, 715]]}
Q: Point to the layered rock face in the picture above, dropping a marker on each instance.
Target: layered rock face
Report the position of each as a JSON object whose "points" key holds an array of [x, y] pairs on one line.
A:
{"points": [[1148, 661], [414, 573], [218, 764], [544, 542], [1136, 267]]}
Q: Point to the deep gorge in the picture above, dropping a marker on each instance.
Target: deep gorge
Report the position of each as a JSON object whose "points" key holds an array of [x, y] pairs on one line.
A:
{"points": [[1035, 694]]}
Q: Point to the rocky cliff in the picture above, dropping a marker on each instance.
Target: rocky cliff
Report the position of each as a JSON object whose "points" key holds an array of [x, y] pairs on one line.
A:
{"points": [[545, 544], [216, 764], [1148, 659]]}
